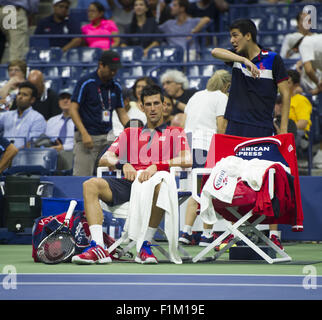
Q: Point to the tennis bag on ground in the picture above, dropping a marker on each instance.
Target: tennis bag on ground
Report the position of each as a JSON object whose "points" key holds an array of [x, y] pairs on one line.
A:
{"points": [[78, 225]]}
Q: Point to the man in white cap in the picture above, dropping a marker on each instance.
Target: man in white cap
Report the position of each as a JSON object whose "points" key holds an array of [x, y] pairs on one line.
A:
{"points": [[59, 23]]}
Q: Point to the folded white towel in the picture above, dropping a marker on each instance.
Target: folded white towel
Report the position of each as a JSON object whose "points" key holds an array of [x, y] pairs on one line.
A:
{"points": [[140, 210]]}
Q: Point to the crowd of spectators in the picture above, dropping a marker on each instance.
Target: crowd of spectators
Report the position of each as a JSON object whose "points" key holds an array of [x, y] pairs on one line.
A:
{"points": [[139, 17]]}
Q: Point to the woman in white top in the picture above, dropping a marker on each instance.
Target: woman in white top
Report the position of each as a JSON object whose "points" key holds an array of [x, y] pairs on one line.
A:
{"points": [[204, 116]]}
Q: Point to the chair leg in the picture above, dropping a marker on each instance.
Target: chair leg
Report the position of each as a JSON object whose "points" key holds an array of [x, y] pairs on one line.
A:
{"points": [[252, 227]]}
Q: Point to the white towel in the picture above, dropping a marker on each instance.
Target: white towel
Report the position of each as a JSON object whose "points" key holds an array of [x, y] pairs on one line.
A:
{"points": [[223, 179], [140, 210]]}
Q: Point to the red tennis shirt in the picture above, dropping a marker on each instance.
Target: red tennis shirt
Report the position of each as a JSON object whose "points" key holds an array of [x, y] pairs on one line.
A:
{"points": [[142, 147]]}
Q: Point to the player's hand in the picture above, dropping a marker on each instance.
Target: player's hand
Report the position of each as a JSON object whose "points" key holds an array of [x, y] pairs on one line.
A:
{"points": [[148, 173], [252, 68], [87, 141], [129, 172]]}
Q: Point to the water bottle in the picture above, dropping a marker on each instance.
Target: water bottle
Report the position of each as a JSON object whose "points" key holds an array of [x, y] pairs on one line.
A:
{"points": [[115, 229]]}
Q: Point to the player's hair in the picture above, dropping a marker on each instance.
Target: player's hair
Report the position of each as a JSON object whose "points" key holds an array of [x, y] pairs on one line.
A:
{"points": [[27, 84], [151, 90], [245, 26], [295, 76], [219, 80]]}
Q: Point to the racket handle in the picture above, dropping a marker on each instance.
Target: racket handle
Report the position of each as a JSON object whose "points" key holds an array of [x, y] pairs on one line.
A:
{"points": [[70, 210]]}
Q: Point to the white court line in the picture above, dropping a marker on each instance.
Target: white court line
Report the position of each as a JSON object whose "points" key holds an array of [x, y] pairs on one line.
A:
{"points": [[160, 284], [165, 274]]}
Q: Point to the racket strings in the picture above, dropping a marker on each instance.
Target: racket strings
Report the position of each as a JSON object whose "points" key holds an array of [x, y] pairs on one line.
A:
{"points": [[58, 248]]}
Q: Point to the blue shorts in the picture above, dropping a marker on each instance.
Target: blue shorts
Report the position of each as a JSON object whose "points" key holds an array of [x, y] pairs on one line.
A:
{"points": [[121, 190], [245, 130]]}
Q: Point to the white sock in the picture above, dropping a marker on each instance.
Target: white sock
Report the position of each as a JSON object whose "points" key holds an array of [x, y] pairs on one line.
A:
{"points": [[207, 233], [150, 233], [187, 229], [274, 232], [96, 231]]}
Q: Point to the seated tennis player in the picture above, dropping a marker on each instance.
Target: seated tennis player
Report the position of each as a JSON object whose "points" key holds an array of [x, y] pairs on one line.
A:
{"points": [[154, 147]]}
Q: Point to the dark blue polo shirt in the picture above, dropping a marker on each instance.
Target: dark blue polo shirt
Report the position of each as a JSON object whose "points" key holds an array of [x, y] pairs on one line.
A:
{"points": [[93, 97], [251, 101], [4, 143], [49, 26]]}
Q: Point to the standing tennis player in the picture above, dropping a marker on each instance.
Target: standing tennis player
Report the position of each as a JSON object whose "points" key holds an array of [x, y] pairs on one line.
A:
{"points": [[257, 76]]}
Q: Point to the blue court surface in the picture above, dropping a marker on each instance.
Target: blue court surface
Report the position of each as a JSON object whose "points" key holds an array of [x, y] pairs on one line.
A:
{"points": [[159, 287]]}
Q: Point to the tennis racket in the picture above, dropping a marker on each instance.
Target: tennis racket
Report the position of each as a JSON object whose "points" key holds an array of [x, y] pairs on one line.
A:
{"points": [[58, 246]]}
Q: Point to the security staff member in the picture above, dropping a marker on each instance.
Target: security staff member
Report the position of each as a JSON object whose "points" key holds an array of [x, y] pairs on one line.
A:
{"points": [[93, 101]]}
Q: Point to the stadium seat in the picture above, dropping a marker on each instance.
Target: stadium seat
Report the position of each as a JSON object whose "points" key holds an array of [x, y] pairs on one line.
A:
{"points": [[3, 72], [206, 55], [50, 72], [166, 54], [54, 84], [127, 82], [192, 71], [198, 83], [83, 55], [68, 84], [39, 161], [207, 70], [51, 55], [133, 71], [130, 54]]}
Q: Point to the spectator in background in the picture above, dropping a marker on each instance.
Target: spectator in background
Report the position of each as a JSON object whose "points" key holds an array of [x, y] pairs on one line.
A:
{"points": [[167, 110], [61, 128], [204, 117], [17, 70], [161, 11], [310, 49], [22, 125], [93, 101], [182, 24], [209, 8], [47, 99], [132, 104], [122, 13], [7, 153], [277, 119], [100, 26], [136, 90], [59, 23], [300, 112], [142, 22], [176, 85], [18, 35], [84, 4], [290, 39]]}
